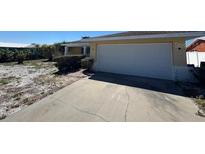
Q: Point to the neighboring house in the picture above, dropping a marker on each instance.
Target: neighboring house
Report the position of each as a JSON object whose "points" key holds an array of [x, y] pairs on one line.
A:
{"points": [[156, 54], [196, 52], [15, 45]]}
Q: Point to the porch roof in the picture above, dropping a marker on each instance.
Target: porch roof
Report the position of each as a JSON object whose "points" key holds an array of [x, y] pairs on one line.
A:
{"points": [[77, 44]]}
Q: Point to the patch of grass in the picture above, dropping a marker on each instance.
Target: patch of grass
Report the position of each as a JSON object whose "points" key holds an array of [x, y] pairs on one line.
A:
{"points": [[34, 63], [7, 80], [4, 81], [18, 95], [200, 101], [44, 80], [8, 63], [38, 64], [17, 98]]}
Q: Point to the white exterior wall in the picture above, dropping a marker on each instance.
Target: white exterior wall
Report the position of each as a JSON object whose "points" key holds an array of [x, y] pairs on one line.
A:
{"points": [[195, 58]]}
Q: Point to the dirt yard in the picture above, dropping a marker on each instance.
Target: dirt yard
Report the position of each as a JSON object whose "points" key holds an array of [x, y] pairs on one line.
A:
{"points": [[23, 85]]}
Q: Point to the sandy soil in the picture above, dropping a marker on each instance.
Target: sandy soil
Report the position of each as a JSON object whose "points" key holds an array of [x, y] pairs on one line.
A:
{"points": [[23, 85]]}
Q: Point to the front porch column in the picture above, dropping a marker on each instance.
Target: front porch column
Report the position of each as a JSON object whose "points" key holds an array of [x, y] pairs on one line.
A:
{"points": [[66, 50], [84, 50]]}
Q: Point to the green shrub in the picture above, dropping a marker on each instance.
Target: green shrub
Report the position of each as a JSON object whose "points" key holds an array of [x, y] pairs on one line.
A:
{"points": [[6, 55], [21, 56], [50, 51], [202, 73], [68, 63], [87, 63], [3, 81], [28, 54], [38, 52], [2, 55], [47, 52], [10, 54]]}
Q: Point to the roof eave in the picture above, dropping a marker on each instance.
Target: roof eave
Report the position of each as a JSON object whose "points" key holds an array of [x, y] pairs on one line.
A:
{"points": [[185, 35], [75, 44]]}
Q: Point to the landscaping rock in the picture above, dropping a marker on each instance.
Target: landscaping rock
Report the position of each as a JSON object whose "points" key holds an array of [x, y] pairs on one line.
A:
{"points": [[2, 116], [201, 97], [2, 113], [15, 105], [201, 112]]}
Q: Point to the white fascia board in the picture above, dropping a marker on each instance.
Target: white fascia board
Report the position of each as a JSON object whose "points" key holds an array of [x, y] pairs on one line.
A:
{"points": [[75, 44], [173, 35]]}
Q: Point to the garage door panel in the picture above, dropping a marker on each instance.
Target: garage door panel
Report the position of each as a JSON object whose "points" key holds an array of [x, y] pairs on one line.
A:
{"points": [[151, 60]]}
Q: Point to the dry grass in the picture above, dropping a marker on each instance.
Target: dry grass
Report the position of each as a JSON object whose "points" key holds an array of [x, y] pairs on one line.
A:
{"points": [[4, 81], [23, 85], [197, 93], [200, 101]]}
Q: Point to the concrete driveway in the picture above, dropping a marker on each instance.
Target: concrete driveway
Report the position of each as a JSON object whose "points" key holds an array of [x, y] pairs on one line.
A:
{"points": [[106, 97]]}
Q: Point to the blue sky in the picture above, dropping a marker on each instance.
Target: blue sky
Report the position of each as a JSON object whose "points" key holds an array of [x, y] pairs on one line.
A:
{"points": [[43, 37], [188, 42]]}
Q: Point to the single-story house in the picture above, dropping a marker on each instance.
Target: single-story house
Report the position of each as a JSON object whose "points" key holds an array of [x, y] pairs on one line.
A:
{"points": [[154, 54], [196, 52]]}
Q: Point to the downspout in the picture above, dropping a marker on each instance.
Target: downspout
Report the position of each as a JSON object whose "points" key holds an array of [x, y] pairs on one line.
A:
{"points": [[188, 58], [197, 55], [172, 60]]}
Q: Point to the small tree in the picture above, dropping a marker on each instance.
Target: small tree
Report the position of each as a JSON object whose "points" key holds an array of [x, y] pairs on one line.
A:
{"points": [[2, 54], [20, 56], [10, 55], [59, 49], [28, 54], [47, 51], [50, 49]]}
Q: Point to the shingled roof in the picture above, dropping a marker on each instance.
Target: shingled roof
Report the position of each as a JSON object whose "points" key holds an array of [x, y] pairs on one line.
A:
{"points": [[146, 35], [197, 45], [135, 33]]}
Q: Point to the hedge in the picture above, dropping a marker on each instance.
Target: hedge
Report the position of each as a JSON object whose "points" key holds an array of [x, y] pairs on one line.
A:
{"points": [[8, 55], [87, 63], [202, 73], [68, 63], [38, 52]]}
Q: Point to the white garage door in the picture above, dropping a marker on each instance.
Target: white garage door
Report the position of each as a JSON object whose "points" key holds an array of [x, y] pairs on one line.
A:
{"points": [[149, 60]]}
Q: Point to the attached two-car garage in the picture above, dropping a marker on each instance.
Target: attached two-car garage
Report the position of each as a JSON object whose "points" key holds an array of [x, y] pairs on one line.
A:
{"points": [[149, 59]]}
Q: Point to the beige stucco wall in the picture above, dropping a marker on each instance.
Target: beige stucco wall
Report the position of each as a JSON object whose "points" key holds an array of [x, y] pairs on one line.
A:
{"points": [[75, 50], [179, 53], [178, 48]]}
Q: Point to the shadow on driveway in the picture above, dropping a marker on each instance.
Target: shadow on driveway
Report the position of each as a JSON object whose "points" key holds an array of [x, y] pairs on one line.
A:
{"points": [[164, 86]]}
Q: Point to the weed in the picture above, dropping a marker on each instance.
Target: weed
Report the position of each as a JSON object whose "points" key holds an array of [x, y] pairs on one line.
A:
{"points": [[200, 102], [4, 81]]}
